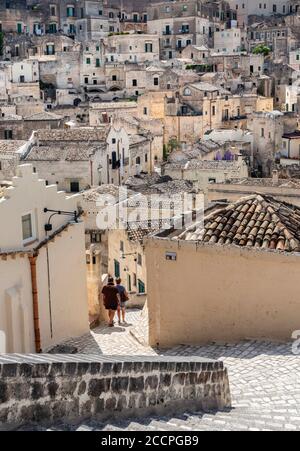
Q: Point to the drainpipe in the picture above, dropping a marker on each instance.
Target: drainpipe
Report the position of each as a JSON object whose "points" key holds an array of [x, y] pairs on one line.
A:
{"points": [[35, 301], [92, 178]]}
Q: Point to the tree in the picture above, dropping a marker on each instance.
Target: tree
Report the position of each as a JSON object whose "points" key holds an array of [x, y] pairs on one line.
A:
{"points": [[262, 50]]}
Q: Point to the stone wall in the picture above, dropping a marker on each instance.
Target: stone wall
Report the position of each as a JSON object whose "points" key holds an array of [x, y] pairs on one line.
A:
{"points": [[46, 389]]}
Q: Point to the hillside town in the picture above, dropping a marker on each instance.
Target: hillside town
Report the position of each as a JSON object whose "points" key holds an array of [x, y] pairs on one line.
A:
{"points": [[149, 210]]}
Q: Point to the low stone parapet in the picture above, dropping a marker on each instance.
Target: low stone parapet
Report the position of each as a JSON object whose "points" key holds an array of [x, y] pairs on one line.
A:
{"points": [[45, 389]]}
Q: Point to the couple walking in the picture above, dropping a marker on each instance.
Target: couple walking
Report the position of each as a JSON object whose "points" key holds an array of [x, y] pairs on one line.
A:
{"points": [[115, 298]]}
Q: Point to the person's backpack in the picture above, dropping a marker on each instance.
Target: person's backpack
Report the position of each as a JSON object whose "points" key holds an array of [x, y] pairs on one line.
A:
{"points": [[123, 295]]}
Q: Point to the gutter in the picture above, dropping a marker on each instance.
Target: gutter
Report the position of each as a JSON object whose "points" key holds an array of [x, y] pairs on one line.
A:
{"points": [[35, 302]]}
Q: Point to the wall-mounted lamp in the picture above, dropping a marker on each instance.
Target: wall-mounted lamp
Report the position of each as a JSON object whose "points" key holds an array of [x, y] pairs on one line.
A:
{"points": [[49, 227]]}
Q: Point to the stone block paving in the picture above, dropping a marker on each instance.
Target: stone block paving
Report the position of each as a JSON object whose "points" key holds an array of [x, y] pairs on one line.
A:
{"points": [[264, 380]]}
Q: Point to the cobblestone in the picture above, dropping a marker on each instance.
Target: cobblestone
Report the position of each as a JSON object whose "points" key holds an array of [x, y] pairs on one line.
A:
{"points": [[264, 380]]}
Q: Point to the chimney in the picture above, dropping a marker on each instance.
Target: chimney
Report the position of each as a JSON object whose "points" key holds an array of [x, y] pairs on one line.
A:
{"points": [[275, 177]]}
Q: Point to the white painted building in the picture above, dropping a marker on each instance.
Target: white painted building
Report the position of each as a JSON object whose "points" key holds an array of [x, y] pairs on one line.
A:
{"points": [[228, 41], [244, 8], [26, 71], [132, 48], [294, 59], [43, 291]]}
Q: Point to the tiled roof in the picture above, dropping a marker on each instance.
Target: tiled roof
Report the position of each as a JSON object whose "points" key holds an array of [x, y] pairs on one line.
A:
{"points": [[10, 146], [74, 134], [135, 140], [43, 116], [255, 221], [137, 231], [69, 152], [204, 165], [268, 182], [156, 184], [119, 193]]}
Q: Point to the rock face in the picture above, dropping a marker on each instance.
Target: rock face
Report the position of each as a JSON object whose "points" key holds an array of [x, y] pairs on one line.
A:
{"points": [[44, 389]]}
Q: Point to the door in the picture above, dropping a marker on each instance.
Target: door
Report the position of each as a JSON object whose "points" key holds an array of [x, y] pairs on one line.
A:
{"points": [[74, 187]]}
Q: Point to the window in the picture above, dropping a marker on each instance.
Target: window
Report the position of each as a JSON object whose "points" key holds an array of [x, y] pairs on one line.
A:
{"points": [[148, 47], [97, 62], [156, 81], [95, 238], [141, 287], [19, 28], [52, 10], [117, 269], [50, 49], [134, 82], [134, 280], [262, 132], [88, 61], [139, 260], [74, 187], [145, 111], [53, 28], [122, 246], [8, 134], [27, 227], [70, 11]]}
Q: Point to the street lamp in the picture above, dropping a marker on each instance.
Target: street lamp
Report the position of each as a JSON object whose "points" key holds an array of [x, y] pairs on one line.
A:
{"points": [[49, 227]]}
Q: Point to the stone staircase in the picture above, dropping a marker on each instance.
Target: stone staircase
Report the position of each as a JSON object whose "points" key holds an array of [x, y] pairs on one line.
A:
{"points": [[235, 420]]}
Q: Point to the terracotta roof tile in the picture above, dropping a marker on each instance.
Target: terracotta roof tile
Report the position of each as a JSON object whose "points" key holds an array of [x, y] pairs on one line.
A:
{"points": [[256, 221]]}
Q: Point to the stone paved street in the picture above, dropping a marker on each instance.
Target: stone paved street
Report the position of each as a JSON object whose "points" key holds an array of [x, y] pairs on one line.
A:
{"points": [[264, 380]]}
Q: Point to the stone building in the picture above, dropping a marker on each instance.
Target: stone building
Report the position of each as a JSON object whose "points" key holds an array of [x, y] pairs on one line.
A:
{"points": [[278, 38], [16, 127], [268, 130], [285, 190], [70, 159], [127, 155], [10, 153], [256, 239], [180, 24], [132, 48], [126, 260], [199, 107], [103, 112], [228, 41], [40, 303], [203, 173], [258, 8]]}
